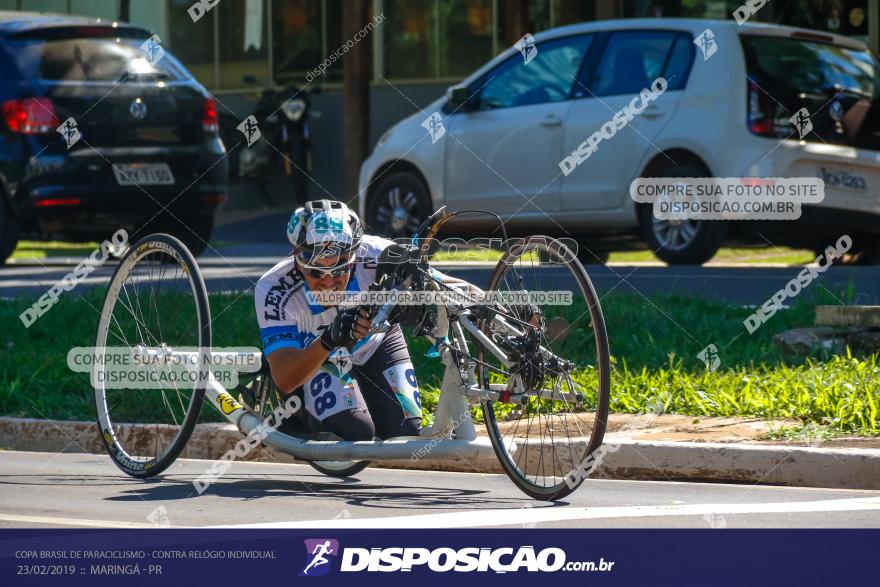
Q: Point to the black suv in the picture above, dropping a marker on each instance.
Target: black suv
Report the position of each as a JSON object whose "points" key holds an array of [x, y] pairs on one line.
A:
{"points": [[102, 129]]}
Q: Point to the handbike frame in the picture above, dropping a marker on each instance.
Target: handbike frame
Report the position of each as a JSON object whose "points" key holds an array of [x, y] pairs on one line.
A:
{"points": [[452, 416], [453, 434]]}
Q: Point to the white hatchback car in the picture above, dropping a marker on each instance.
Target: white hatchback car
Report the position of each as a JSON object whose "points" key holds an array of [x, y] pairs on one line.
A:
{"points": [[495, 142]]}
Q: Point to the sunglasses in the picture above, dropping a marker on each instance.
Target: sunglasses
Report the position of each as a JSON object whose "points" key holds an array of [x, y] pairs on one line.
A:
{"points": [[319, 272]]}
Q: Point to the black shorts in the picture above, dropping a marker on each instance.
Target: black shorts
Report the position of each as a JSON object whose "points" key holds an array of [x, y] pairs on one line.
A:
{"points": [[381, 401]]}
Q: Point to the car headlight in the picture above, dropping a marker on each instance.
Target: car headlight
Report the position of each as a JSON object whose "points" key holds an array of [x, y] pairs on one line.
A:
{"points": [[294, 109]]}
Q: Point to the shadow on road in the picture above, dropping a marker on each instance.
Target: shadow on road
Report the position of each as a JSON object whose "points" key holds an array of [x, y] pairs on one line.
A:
{"points": [[350, 491]]}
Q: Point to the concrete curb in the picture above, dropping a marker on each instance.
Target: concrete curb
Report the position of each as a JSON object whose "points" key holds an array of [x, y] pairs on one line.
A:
{"points": [[843, 468]]}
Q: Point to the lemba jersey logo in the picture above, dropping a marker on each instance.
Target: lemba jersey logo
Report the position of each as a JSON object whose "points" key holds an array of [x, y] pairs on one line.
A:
{"points": [[320, 554]]}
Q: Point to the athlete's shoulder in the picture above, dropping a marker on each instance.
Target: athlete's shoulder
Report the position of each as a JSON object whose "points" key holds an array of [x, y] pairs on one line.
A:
{"points": [[283, 274], [274, 289], [372, 246]]}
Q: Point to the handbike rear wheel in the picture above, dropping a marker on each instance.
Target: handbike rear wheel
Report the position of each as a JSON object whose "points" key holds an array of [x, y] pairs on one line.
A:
{"points": [[156, 299], [544, 443], [341, 469]]}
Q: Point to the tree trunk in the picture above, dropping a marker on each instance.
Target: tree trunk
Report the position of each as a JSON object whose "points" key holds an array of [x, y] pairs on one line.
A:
{"points": [[125, 10], [356, 93], [608, 9], [571, 12], [516, 20]]}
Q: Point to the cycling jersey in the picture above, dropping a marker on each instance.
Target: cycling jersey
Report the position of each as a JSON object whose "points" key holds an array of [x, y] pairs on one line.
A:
{"points": [[381, 399], [288, 320]]}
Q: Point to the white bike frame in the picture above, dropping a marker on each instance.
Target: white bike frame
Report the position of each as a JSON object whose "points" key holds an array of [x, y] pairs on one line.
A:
{"points": [[452, 435]]}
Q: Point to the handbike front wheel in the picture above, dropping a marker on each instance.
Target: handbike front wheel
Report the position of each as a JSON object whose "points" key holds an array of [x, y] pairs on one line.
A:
{"points": [[553, 406], [147, 399]]}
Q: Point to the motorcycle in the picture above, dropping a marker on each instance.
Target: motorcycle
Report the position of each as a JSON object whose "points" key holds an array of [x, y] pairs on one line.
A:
{"points": [[282, 117]]}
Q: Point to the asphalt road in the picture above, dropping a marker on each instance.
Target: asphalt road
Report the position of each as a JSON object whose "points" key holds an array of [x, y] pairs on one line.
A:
{"points": [[78, 490], [240, 268]]}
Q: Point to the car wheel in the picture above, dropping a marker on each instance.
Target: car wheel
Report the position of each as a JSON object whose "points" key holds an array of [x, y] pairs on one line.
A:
{"points": [[399, 204], [682, 242], [9, 232]]}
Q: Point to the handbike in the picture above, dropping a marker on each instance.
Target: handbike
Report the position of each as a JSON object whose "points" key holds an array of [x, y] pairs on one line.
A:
{"points": [[518, 396]]}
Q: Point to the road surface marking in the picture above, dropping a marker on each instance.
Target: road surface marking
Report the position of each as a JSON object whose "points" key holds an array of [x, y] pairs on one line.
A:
{"points": [[542, 513], [526, 515], [56, 521]]}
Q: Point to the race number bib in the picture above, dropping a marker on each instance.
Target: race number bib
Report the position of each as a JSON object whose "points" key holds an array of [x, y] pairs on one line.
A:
{"points": [[327, 395], [401, 379]]}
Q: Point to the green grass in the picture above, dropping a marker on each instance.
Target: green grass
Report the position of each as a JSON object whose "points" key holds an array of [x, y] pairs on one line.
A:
{"points": [[760, 256], [841, 394], [44, 249], [654, 345], [41, 250], [490, 255]]}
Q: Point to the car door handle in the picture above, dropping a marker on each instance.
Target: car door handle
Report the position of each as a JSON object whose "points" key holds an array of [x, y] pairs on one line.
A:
{"points": [[551, 120], [652, 112]]}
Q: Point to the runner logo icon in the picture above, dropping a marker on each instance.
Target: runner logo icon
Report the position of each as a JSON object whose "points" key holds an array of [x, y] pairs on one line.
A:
{"points": [[320, 553]]}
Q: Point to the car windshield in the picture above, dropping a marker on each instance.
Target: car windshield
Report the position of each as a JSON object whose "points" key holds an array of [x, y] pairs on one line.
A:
{"points": [[95, 59]]}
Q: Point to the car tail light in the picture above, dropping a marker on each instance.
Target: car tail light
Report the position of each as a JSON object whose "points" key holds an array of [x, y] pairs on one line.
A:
{"points": [[213, 199], [760, 115], [31, 116], [53, 202], [209, 116]]}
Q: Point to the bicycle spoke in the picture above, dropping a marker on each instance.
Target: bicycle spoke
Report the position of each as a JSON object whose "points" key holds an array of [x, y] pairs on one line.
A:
{"points": [[150, 304], [559, 418]]}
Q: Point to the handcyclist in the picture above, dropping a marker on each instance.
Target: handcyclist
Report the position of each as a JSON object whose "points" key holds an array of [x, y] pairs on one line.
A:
{"points": [[354, 385]]}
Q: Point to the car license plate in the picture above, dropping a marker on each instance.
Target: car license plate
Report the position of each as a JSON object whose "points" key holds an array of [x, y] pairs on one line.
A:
{"points": [[143, 174], [842, 179]]}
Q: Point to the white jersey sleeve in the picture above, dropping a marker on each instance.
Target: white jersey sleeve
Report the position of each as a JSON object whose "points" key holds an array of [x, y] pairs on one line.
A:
{"points": [[286, 317]]}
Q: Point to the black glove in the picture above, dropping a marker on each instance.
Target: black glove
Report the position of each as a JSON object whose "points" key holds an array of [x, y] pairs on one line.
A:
{"points": [[340, 332], [399, 262]]}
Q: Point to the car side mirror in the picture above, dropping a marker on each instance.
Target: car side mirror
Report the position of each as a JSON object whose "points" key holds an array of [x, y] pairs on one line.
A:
{"points": [[458, 96]]}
